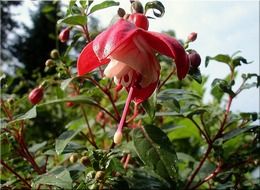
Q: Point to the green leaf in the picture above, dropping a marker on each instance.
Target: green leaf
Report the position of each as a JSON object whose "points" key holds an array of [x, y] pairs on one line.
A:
{"points": [[232, 134], [238, 60], [32, 113], [114, 165], [249, 115], [224, 86], [186, 130], [59, 177], [75, 99], [155, 5], [150, 106], [103, 5], [156, 151], [37, 146], [66, 82], [196, 75], [63, 140], [74, 20], [220, 58]]}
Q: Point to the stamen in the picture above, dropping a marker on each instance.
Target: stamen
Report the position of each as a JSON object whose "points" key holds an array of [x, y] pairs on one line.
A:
{"points": [[118, 134]]}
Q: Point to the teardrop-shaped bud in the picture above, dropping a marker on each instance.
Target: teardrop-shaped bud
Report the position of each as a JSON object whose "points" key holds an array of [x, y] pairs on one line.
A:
{"points": [[118, 137], [195, 59], [64, 35], [192, 37], [139, 20], [36, 95]]}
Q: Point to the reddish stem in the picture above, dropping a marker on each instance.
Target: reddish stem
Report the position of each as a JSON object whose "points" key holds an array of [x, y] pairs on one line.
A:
{"points": [[15, 173], [127, 161]]}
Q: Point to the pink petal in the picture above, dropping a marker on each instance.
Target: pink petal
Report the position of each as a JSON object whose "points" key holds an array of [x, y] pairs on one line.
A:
{"points": [[170, 47], [122, 33], [141, 94], [88, 60]]}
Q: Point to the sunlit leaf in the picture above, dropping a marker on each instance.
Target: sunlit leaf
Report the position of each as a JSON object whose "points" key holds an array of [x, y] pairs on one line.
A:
{"points": [[74, 20], [103, 5]]}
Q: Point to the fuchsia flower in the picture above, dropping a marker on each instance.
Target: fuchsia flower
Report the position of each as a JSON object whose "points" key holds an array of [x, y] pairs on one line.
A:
{"points": [[130, 54]]}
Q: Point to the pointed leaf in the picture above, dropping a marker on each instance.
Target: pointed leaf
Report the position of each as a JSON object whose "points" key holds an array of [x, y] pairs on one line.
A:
{"points": [[220, 58], [156, 151], [59, 177], [103, 5], [74, 20]]}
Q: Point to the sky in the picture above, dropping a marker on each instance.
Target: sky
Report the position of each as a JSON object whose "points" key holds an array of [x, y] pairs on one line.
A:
{"points": [[222, 26]]}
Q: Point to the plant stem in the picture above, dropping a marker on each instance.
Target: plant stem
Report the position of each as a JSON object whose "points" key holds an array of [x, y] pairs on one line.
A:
{"points": [[219, 133], [190, 180], [15, 173], [212, 175], [5, 109], [88, 126], [166, 79], [108, 94], [201, 131]]}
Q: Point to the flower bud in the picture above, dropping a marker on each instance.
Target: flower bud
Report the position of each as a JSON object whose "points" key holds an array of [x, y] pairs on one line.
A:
{"points": [[99, 175], [121, 12], [137, 7], [118, 137], [49, 63], [54, 54], [139, 20], [85, 160], [192, 37], [73, 158], [195, 59], [64, 35], [69, 104], [36, 95], [100, 116]]}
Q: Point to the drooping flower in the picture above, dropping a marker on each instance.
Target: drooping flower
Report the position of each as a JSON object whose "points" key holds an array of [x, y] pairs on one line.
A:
{"points": [[129, 51]]}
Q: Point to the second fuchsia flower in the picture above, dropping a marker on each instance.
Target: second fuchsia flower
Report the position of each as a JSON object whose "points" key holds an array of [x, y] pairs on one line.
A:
{"points": [[129, 51]]}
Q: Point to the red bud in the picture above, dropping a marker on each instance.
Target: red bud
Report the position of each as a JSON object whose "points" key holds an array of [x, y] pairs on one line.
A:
{"points": [[36, 95], [64, 35], [139, 20], [69, 104], [195, 59], [192, 37]]}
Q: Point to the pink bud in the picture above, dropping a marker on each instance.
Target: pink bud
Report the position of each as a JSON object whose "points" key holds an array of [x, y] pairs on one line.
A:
{"points": [[192, 37], [64, 35], [195, 59], [36, 95]]}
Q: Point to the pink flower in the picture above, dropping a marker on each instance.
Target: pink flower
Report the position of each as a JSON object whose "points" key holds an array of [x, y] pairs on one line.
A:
{"points": [[129, 51]]}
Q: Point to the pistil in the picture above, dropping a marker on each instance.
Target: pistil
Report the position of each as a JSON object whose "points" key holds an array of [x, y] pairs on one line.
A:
{"points": [[118, 135]]}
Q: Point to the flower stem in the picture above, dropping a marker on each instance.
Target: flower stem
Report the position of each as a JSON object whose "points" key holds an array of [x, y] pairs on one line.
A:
{"points": [[15, 173], [92, 141]]}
